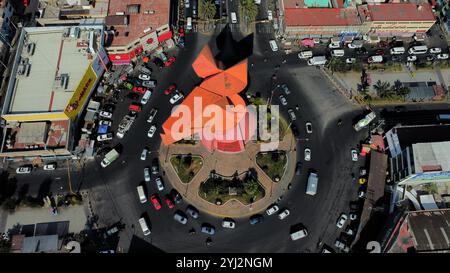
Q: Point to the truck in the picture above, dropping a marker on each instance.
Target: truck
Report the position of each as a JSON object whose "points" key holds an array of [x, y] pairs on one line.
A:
{"points": [[365, 121], [311, 187], [109, 158]]}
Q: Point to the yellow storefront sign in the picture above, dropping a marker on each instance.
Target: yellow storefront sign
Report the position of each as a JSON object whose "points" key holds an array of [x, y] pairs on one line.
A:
{"points": [[81, 93], [35, 117]]}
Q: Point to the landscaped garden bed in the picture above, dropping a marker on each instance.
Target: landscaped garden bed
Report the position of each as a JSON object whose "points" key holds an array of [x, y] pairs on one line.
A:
{"points": [[186, 166], [272, 163]]}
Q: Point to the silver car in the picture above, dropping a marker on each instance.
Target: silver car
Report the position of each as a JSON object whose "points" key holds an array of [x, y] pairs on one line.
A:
{"points": [[144, 154], [159, 184], [147, 175], [180, 218]]}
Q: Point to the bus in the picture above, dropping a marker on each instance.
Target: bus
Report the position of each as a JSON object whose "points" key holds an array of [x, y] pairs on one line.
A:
{"points": [[418, 50], [311, 187], [365, 121]]}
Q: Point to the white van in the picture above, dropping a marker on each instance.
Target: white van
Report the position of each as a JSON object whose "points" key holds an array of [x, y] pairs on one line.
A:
{"points": [[418, 50], [337, 53], [269, 15], [233, 18], [189, 23], [146, 97], [397, 50], [299, 234], [144, 226], [317, 60], [273, 45], [305, 54], [375, 59], [311, 187], [141, 194]]}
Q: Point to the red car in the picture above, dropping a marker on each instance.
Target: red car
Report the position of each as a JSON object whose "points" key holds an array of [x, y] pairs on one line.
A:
{"points": [[169, 201], [135, 108], [155, 202], [383, 44], [170, 89], [139, 89], [170, 61]]}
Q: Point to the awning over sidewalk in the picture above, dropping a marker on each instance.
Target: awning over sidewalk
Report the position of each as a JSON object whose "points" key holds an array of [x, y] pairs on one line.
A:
{"points": [[120, 59], [165, 36]]}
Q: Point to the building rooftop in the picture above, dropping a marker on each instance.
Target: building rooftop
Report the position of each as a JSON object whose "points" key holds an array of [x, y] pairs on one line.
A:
{"points": [[397, 12], [430, 229], [38, 244], [49, 65], [142, 18], [434, 156], [321, 17]]}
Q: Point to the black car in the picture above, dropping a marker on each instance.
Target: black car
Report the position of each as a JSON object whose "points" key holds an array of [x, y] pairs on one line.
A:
{"points": [[155, 166], [176, 196], [295, 130], [193, 212], [256, 219], [298, 168], [158, 62], [361, 51], [395, 58]]}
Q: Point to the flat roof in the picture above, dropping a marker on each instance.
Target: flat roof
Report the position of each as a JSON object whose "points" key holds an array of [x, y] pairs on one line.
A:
{"points": [[401, 12], [152, 15], [47, 75], [431, 156], [430, 229], [321, 17], [409, 135]]}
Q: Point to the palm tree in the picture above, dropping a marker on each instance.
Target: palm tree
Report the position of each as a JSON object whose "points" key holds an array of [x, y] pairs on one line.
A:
{"points": [[248, 9], [383, 89], [206, 9]]}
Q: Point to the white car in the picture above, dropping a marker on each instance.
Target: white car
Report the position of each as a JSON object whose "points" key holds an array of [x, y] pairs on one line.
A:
{"points": [[144, 154], [144, 77], [50, 166], [442, 57], [340, 245], [341, 221], [105, 114], [104, 137], [24, 169], [282, 215], [159, 184], [104, 122], [307, 154], [272, 209], [176, 97], [147, 175], [228, 223], [152, 115], [354, 155], [350, 60], [361, 194], [151, 131], [283, 100], [435, 50], [334, 45], [292, 115], [309, 127], [353, 216], [411, 58]]}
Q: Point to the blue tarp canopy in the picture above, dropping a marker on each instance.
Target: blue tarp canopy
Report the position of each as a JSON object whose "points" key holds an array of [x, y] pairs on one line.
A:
{"points": [[102, 129]]}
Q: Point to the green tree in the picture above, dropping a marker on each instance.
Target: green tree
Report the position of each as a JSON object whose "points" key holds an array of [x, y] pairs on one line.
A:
{"points": [[206, 9], [383, 89], [337, 65], [251, 187], [248, 9]]}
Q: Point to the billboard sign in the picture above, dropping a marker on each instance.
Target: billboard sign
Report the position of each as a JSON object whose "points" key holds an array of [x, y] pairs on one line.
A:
{"points": [[81, 94], [428, 177]]}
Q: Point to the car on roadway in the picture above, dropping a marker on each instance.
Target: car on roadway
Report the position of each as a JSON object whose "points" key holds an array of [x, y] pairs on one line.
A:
{"points": [[176, 97], [272, 209], [104, 137], [299, 234], [180, 217], [308, 127], [169, 61], [333, 45], [305, 54], [170, 89], [146, 174], [149, 83], [350, 60], [151, 131], [353, 216], [411, 58], [144, 77], [354, 155], [283, 100], [349, 231], [193, 212], [105, 122], [355, 44], [256, 219], [362, 171], [144, 153], [176, 196], [159, 183], [155, 201], [228, 223], [139, 89], [298, 168], [208, 229], [341, 220], [375, 59], [285, 88], [24, 169], [152, 115], [155, 166], [340, 245], [362, 180], [361, 194], [50, 166], [145, 70], [105, 114], [442, 56], [307, 154], [283, 214], [292, 114], [169, 201], [435, 50]]}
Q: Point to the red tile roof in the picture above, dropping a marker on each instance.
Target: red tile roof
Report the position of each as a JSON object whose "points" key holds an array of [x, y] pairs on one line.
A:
{"points": [[140, 21], [321, 17], [401, 12]]}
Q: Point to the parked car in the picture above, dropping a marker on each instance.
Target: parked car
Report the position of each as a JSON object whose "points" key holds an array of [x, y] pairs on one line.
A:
{"points": [[354, 155], [350, 60], [309, 127], [299, 234], [159, 183], [145, 70], [353, 216], [283, 214], [361, 194], [442, 56], [292, 114], [144, 154], [50, 166], [307, 154], [361, 51], [430, 58], [228, 223], [411, 58], [155, 166], [193, 212], [272, 209], [176, 196], [24, 169], [144, 77], [170, 89], [155, 202], [149, 83], [151, 131], [169, 61], [435, 50], [334, 45], [176, 97], [341, 221], [146, 175], [104, 137], [180, 217], [340, 245], [283, 100], [379, 52], [285, 89], [158, 62], [256, 219], [105, 114], [169, 201], [208, 229], [139, 89], [152, 115], [105, 122]]}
